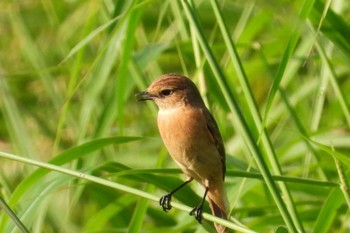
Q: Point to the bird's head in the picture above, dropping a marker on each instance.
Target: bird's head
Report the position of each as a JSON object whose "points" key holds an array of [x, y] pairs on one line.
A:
{"points": [[171, 90]]}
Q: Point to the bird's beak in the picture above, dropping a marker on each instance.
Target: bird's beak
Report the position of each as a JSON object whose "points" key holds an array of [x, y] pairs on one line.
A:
{"points": [[143, 96]]}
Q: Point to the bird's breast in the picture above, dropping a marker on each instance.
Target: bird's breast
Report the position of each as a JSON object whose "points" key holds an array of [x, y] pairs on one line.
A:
{"points": [[185, 134], [179, 129]]}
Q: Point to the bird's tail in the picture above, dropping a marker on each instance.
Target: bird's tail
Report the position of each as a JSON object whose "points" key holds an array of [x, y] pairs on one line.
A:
{"points": [[219, 205]]}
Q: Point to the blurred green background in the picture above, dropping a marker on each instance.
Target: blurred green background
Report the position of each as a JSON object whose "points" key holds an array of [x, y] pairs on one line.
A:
{"points": [[69, 71]]}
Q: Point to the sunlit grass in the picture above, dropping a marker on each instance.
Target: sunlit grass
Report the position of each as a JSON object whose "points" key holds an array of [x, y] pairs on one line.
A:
{"points": [[79, 154]]}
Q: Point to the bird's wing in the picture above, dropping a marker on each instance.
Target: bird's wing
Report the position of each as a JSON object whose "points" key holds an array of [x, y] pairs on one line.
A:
{"points": [[217, 139]]}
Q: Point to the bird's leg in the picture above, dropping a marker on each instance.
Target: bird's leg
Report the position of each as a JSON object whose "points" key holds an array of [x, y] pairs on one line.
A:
{"points": [[166, 199], [197, 211]]}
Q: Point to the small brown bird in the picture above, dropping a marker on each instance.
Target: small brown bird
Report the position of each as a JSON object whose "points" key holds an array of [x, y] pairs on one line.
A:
{"points": [[193, 140]]}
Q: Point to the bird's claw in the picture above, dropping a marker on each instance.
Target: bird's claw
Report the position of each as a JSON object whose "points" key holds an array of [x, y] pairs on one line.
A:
{"points": [[197, 212], [165, 202]]}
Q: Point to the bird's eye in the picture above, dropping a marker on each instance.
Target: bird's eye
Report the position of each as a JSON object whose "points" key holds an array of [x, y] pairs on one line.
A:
{"points": [[166, 92]]}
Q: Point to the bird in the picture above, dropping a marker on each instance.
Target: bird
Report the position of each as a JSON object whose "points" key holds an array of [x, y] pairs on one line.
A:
{"points": [[193, 140]]}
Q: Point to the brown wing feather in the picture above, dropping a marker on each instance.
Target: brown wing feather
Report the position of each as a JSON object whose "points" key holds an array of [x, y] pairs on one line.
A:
{"points": [[217, 139]]}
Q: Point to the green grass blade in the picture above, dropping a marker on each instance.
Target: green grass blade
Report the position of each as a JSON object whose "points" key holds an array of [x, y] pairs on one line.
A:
{"points": [[344, 184], [333, 79], [84, 42], [105, 215], [290, 48], [13, 216], [137, 220], [328, 212], [334, 26], [340, 156], [123, 83]]}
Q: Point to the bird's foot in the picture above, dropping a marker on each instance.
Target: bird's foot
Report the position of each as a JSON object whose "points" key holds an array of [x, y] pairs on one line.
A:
{"points": [[197, 212], [165, 202]]}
